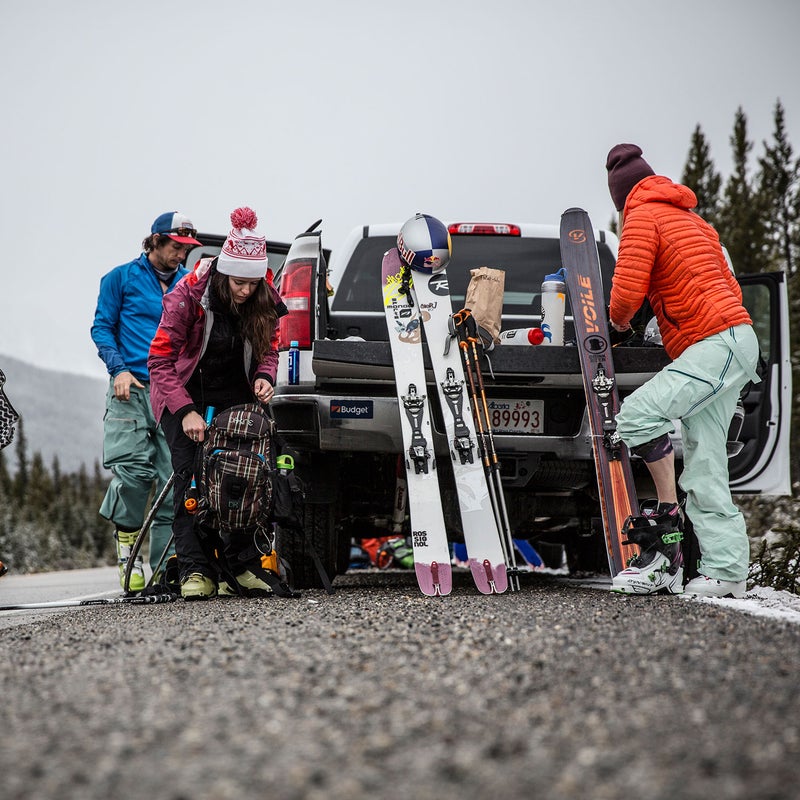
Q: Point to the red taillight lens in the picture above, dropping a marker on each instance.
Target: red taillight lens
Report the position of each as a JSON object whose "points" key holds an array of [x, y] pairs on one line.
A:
{"points": [[484, 229], [296, 293]]}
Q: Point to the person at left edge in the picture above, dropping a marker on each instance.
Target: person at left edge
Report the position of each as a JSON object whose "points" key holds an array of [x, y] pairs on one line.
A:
{"points": [[134, 448]]}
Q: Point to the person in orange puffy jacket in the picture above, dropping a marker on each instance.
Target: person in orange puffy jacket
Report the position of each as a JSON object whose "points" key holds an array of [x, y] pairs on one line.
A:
{"points": [[669, 255]]}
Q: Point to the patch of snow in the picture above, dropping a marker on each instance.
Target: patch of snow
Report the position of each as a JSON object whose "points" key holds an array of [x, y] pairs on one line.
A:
{"points": [[760, 601]]}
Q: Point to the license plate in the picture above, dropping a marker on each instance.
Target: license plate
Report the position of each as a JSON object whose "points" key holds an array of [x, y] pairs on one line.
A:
{"points": [[516, 416]]}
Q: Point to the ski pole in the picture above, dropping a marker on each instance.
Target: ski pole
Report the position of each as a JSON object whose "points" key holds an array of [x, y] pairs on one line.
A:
{"points": [[458, 320], [161, 559], [137, 545], [136, 600], [468, 333], [458, 329]]}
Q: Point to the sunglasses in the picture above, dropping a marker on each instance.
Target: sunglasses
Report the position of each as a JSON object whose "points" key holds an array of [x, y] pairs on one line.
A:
{"points": [[192, 232]]}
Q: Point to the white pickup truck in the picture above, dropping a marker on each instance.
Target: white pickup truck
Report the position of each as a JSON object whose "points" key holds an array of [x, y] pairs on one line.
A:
{"points": [[342, 420]]}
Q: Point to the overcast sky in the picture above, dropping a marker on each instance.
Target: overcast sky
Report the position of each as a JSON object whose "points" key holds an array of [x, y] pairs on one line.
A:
{"points": [[354, 111]]}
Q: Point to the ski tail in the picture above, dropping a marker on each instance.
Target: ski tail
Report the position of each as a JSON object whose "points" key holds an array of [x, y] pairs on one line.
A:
{"points": [[434, 578], [489, 579], [623, 508]]}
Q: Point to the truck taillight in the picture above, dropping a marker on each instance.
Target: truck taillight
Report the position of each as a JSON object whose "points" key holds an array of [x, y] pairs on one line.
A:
{"points": [[296, 293], [485, 228]]}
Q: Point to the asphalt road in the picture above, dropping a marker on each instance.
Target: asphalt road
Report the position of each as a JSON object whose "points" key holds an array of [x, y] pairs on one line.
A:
{"points": [[557, 691]]}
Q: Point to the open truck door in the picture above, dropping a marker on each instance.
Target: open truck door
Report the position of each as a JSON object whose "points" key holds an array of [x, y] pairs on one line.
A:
{"points": [[762, 464]]}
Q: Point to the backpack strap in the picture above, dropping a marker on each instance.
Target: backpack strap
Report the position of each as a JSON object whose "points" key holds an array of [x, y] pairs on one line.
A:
{"points": [[250, 558], [279, 587], [323, 575]]}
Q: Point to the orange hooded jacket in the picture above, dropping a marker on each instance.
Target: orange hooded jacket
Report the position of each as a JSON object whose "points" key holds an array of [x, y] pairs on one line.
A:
{"points": [[670, 255]]}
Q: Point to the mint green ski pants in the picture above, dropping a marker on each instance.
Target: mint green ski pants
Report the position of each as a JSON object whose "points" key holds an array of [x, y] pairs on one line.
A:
{"points": [[136, 452], [700, 388]]}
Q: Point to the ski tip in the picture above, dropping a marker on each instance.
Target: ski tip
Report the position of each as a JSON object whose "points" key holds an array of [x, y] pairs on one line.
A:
{"points": [[391, 258]]}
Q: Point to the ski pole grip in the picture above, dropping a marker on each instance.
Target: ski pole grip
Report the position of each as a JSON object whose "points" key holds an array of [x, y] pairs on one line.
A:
{"points": [[157, 598], [459, 322], [471, 326]]}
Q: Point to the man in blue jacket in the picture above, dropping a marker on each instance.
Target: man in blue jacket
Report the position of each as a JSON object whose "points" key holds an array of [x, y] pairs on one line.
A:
{"points": [[134, 448]]}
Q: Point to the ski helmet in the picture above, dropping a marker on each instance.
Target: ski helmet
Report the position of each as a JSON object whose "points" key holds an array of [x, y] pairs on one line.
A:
{"points": [[424, 244]]}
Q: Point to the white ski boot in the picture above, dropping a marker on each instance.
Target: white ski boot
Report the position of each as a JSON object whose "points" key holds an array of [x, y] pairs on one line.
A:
{"points": [[659, 565], [702, 586]]}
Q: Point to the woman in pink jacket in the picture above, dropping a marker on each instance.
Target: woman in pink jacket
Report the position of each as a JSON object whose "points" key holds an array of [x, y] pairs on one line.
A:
{"points": [[216, 346], [671, 256]]}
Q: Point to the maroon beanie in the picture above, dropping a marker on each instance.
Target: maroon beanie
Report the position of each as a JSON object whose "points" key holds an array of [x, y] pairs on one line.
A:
{"points": [[626, 168]]}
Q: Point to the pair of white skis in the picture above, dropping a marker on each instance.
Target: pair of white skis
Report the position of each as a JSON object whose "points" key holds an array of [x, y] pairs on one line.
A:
{"points": [[410, 307]]}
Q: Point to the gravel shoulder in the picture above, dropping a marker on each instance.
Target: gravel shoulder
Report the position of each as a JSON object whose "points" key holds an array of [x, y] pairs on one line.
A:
{"points": [[558, 690]]}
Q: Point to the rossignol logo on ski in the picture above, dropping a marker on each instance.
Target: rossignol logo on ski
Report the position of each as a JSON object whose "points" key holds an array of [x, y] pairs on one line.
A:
{"points": [[438, 285], [420, 538]]}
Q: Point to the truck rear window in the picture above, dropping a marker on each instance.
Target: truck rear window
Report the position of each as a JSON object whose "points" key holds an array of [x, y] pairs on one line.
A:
{"points": [[525, 260]]}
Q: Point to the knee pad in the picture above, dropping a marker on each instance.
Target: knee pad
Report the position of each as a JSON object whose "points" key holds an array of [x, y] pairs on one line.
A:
{"points": [[654, 450]]}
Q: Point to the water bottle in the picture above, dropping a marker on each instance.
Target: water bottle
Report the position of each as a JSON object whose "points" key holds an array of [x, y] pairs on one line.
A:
{"points": [[553, 301], [294, 362], [526, 336]]}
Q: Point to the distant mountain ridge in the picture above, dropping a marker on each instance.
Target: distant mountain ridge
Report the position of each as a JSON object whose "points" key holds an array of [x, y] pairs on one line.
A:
{"points": [[62, 414]]}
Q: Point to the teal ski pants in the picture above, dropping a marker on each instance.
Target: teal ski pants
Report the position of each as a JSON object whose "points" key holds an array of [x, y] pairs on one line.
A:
{"points": [[700, 388], [136, 452]]}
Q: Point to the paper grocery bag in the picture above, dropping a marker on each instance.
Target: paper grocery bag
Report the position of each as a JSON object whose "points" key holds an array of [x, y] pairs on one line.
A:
{"points": [[485, 299]]}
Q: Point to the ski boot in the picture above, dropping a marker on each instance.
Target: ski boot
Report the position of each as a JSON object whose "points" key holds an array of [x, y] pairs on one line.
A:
{"points": [[703, 586], [659, 565], [198, 587], [125, 541]]}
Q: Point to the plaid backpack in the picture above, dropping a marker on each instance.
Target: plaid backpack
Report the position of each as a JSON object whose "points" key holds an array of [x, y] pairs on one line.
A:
{"points": [[235, 481]]}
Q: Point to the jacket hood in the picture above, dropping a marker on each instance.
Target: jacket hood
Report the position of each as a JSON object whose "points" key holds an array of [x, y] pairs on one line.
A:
{"points": [[658, 189]]}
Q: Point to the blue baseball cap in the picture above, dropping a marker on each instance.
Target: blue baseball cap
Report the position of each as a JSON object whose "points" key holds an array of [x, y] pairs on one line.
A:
{"points": [[177, 226]]}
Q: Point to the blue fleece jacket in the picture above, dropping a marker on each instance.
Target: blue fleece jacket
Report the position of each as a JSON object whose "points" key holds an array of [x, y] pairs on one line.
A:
{"points": [[127, 316]]}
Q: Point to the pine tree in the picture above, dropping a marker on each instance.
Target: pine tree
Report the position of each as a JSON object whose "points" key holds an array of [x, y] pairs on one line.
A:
{"points": [[39, 491], [21, 478], [700, 176], [778, 180], [5, 477], [739, 221], [56, 470]]}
